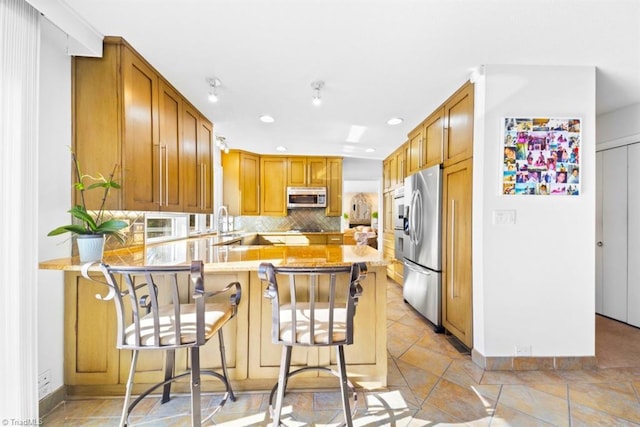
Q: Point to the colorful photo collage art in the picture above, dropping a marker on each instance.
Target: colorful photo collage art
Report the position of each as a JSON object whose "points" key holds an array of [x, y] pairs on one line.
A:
{"points": [[541, 156]]}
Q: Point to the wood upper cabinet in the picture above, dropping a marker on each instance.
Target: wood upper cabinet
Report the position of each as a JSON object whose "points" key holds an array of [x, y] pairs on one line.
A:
{"points": [[394, 168], [386, 174], [416, 150], [190, 171], [241, 182], [307, 172], [126, 114], [140, 145], [458, 120], [170, 150], [205, 160], [273, 185], [456, 251], [433, 132], [334, 186]]}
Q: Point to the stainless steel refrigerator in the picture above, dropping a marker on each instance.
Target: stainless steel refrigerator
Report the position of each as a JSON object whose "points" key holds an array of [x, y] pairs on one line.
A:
{"points": [[422, 244]]}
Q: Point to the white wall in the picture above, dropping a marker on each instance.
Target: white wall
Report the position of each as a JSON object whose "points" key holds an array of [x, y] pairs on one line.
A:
{"points": [[54, 197], [618, 127], [354, 169], [534, 281]]}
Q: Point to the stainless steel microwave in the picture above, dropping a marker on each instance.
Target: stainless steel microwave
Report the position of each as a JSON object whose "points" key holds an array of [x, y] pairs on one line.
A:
{"points": [[306, 197]]}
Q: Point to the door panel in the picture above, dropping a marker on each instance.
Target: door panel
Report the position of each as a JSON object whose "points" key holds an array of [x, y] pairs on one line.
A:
{"points": [[614, 234]]}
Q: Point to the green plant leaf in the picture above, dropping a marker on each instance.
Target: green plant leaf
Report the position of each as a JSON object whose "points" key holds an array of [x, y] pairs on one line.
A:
{"points": [[78, 229], [80, 213], [111, 226]]}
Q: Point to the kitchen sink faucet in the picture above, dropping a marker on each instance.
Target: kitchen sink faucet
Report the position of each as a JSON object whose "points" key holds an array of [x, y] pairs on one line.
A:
{"points": [[222, 217]]}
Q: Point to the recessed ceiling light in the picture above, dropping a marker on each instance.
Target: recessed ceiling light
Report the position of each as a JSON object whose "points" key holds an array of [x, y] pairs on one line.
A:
{"points": [[395, 121], [370, 150], [281, 148], [355, 133], [267, 119]]}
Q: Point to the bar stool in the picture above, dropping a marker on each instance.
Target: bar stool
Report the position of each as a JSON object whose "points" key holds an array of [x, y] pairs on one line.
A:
{"points": [[315, 309], [150, 316]]}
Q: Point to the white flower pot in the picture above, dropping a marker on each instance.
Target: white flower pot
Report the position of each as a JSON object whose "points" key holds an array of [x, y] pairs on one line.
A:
{"points": [[90, 247]]}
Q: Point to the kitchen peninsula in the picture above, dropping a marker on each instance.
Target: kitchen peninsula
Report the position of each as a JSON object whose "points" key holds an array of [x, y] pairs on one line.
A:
{"points": [[93, 365]]}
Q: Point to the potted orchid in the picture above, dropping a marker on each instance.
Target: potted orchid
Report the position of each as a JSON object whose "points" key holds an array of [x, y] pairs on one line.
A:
{"points": [[91, 230]]}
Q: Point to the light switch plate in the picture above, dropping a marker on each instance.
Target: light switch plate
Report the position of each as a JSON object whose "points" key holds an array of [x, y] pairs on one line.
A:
{"points": [[504, 217]]}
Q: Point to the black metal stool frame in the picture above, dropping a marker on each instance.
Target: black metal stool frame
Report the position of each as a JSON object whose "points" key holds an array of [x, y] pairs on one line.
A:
{"points": [[150, 304], [357, 272]]}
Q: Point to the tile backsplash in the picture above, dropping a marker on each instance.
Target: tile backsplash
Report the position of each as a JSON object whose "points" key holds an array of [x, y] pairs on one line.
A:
{"points": [[297, 219]]}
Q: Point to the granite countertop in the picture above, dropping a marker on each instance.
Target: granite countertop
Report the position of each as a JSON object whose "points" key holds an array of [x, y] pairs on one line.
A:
{"points": [[220, 257]]}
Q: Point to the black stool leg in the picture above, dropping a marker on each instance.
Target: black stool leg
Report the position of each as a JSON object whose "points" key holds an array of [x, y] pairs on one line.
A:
{"points": [[285, 362], [223, 361], [344, 387], [169, 366], [195, 387]]}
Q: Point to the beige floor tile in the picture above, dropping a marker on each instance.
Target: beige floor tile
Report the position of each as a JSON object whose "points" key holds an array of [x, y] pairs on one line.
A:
{"points": [[539, 404], [429, 415], [401, 337], [396, 418], [500, 377], [584, 416], [440, 344], [465, 403], [245, 402], [618, 399], [507, 417], [398, 397], [463, 372], [394, 377], [420, 381], [540, 377], [229, 419], [426, 359]]}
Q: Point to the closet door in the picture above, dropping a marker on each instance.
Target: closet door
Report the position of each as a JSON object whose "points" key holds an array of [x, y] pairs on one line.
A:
{"points": [[613, 199], [633, 243]]}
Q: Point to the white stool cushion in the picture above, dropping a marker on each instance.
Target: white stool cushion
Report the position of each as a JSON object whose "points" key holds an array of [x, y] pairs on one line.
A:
{"points": [[303, 324], [214, 318]]}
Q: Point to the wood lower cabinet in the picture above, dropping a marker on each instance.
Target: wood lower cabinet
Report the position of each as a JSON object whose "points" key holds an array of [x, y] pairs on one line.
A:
{"points": [[335, 238], [126, 114], [363, 357], [91, 356], [273, 186], [456, 251], [94, 366], [292, 239]]}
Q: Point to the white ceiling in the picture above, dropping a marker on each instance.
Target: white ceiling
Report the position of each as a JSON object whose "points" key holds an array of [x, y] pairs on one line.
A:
{"points": [[378, 58]]}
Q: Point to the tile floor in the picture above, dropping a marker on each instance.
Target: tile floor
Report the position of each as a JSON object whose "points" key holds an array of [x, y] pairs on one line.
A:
{"points": [[429, 383]]}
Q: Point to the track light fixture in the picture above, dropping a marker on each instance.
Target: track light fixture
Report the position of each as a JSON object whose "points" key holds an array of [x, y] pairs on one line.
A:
{"points": [[214, 83], [316, 86], [221, 142]]}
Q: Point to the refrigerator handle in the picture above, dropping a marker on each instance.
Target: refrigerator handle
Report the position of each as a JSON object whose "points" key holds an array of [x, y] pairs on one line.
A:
{"points": [[414, 219], [412, 268]]}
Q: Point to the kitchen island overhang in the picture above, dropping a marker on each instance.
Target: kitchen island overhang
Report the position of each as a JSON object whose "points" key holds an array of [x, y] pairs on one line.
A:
{"points": [[93, 366]]}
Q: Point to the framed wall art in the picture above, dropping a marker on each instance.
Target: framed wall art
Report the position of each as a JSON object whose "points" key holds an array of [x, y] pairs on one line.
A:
{"points": [[541, 156]]}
